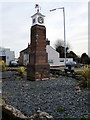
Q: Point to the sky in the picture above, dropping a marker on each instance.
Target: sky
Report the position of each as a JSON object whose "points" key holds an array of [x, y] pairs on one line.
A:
{"points": [[15, 24]]}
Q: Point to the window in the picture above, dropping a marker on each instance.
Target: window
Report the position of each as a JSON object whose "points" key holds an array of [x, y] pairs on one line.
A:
{"points": [[62, 60], [50, 61]]}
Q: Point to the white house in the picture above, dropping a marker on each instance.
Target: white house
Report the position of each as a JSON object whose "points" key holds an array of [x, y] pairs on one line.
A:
{"points": [[53, 57], [6, 55]]}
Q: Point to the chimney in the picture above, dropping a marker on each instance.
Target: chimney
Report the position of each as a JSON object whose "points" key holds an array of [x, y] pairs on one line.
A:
{"points": [[47, 42]]}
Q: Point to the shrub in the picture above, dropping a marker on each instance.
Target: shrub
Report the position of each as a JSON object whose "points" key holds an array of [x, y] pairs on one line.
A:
{"points": [[21, 70], [84, 118], [85, 74], [2, 66]]}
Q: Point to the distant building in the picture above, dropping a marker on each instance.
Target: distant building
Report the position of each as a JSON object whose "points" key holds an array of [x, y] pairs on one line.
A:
{"points": [[53, 56], [24, 56], [6, 55]]}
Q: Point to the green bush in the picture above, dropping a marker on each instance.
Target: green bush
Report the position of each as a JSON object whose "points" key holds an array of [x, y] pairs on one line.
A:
{"points": [[85, 118], [21, 70], [2, 66], [85, 74]]}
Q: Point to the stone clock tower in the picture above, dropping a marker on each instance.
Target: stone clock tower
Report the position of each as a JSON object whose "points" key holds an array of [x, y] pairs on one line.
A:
{"points": [[38, 67]]}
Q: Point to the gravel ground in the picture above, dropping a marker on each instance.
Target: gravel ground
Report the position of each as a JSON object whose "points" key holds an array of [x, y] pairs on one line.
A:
{"points": [[57, 97]]}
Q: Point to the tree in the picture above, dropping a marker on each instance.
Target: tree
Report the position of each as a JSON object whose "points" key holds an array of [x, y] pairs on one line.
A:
{"points": [[84, 58], [59, 46], [71, 54], [89, 60]]}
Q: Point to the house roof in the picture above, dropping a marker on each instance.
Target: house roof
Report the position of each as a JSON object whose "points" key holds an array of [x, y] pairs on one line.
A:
{"points": [[26, 50]]}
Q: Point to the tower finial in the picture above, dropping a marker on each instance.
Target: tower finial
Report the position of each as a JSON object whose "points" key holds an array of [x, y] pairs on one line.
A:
{"points": [[37, 7]]}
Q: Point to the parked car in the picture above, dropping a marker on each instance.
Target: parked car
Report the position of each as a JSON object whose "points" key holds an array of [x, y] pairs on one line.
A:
{"points": [[13, 63], [71, 64]]}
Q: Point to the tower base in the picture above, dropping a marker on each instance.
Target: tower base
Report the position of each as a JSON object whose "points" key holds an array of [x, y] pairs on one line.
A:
{"points": [[38, 72]]}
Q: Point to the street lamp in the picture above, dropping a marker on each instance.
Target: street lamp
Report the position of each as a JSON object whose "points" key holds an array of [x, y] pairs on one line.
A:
{"points": [[64, 31]]}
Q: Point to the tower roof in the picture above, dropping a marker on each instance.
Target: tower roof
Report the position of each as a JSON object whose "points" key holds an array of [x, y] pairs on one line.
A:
{"points": [[38, 13]]}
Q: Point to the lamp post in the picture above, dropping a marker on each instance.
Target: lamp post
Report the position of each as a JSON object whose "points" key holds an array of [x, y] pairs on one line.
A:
{"points": [[64, 31]]}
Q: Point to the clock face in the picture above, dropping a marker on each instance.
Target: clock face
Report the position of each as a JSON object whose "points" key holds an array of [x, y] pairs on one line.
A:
{"points": [[40, 20]]}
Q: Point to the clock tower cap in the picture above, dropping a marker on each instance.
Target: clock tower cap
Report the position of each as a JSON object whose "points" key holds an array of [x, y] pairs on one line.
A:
{"points": [[37, 18]]}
